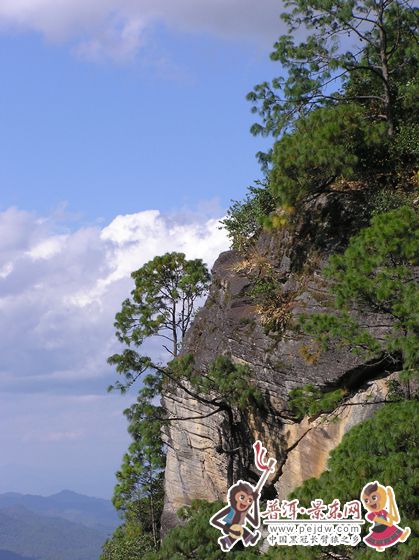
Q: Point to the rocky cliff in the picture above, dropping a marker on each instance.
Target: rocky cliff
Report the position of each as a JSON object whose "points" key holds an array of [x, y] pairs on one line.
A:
{"points": [[207, 450]]}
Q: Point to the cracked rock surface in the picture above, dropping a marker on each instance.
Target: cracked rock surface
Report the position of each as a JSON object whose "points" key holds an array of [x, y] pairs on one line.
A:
{"points": [[207, 453]]}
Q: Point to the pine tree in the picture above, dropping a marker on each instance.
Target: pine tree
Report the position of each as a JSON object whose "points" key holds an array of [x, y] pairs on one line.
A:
{"points": [[377, 272]]}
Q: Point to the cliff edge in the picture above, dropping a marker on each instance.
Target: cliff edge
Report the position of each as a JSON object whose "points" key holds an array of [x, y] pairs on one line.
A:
{"points": [[208, 450]]}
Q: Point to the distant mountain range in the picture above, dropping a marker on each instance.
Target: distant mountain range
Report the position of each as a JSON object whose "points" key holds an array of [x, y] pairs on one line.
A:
{"points": [[65, 526], [91, 512], [7, 555]]}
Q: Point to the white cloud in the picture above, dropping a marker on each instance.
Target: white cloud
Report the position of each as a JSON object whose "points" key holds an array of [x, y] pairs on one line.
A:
{"points": [[118, 41], [6, 269], [138, 238], [47, 248], [59, 292], [117, 29]]}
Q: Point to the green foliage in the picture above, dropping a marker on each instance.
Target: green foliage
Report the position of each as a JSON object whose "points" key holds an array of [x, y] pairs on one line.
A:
{"points": [[383, 448], [310, 400], [376, 272], [336, 113], [230, 383], [197, 539], [342, 328], [244, 219], [317, 67], [404, 151], [162, 302], [162, 305], [398, 390], [339, 112], [138, 494], [127, 543], [137, 482], [145, 418], [264, 288], [328, 143], [400, 24], [139, 490], [406, 144], [389, 199]]}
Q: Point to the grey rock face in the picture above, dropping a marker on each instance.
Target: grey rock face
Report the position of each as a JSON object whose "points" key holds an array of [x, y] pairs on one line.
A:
{"points": [[207, 453]]}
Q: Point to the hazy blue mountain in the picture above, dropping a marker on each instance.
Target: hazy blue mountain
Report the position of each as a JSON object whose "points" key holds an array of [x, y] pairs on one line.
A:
{"points": [[7, 555], [33, 536], [92, 512]]}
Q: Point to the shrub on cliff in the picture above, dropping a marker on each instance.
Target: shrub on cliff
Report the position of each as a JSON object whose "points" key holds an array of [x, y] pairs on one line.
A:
{"points": [[245, 218], [309, 400]]}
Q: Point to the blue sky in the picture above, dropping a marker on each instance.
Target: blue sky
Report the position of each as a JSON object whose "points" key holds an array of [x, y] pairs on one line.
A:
{"points": [[106, 138], [124, 134]]}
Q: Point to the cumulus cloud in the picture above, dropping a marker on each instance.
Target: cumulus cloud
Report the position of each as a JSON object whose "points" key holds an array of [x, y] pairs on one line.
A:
{"points": [[117, 29], [59, 291]]}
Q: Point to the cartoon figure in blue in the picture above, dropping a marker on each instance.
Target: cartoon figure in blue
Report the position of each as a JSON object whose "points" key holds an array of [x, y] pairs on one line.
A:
{"points": [[243, 507]]}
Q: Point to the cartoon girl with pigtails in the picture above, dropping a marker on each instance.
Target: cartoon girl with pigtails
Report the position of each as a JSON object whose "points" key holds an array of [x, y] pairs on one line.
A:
{"points": [[385, 531]]}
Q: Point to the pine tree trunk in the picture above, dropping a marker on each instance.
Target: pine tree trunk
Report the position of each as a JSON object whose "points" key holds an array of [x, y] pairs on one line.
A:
{"points": [[388, 98], [153, 520]]}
